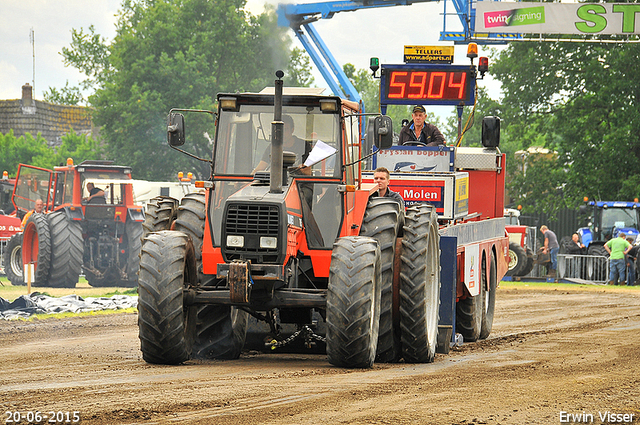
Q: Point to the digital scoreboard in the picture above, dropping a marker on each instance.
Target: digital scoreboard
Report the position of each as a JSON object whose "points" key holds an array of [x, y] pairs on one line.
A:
{"points": [[427, 84]]}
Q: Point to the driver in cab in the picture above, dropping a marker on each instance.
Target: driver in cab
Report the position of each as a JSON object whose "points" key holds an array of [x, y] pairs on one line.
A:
{"points": [[290, 143], [418, 132]]}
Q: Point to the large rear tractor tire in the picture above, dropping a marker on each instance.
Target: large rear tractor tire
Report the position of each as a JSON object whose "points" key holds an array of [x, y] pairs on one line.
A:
{"points": [[420, 285], [565, 242], [160, 213], [190, 219], [381, 223], [353, 302], [12, 260], [469, 314], [489, 299], [133, 235], [597, 250], [67, 247], [529, 267], [36, 247], [166, 324], [517, 260], [100, 281], [597, 267], [220, 332]]}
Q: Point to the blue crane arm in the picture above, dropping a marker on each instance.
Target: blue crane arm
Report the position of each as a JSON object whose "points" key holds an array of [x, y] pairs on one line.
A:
{"points": [[294, 14], [300, 18]]}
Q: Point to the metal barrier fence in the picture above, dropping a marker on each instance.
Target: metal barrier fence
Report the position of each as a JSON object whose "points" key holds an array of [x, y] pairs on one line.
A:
{"points": [[586, 267]]}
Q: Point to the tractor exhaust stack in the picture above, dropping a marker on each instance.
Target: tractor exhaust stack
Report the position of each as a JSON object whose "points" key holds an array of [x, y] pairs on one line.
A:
{"points": [[277, 135]]}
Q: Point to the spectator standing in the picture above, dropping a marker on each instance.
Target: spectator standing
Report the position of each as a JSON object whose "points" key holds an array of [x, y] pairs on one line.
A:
{"points": [[551, 247], [617, 249]]}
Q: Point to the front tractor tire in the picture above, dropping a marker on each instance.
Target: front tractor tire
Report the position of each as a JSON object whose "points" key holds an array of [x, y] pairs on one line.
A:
{"points": [[36, 247], [381, 222], [166, 324], [67, 248], [420, 285], [353, 302], [12, 260], [517, 260]]}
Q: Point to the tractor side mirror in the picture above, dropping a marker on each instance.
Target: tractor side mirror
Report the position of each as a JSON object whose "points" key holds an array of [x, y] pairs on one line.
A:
{"points": [[380, 132], [491, 132], [175, 129]]}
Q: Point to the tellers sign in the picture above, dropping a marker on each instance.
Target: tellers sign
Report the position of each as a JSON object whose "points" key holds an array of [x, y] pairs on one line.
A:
{"points": [[427, 84]]}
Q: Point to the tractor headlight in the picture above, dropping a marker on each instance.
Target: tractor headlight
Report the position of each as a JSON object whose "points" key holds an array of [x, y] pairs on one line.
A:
{"points": [[268, 242], [235, 241]]}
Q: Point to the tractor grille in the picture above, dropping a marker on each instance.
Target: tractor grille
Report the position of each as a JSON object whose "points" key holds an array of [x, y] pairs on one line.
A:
{"points": [[253, 221]]}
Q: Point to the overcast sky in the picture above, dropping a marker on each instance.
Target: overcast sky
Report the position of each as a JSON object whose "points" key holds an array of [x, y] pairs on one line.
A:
{"points": [[351, 37]]}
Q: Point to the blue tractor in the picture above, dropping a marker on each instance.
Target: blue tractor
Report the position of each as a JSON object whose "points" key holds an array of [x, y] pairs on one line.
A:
{"points": [[605, 220]]}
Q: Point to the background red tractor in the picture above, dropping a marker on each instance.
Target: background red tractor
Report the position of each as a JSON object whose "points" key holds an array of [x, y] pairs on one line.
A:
{"points": [[100, 237]]}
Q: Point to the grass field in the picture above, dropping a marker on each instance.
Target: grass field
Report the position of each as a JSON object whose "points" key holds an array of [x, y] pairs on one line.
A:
{"points": [[568, 287], [10, 293]]}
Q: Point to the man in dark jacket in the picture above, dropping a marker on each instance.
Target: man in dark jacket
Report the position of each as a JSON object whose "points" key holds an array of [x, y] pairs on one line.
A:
{"points": [[420, 133], [632, 257], [381, 177], [575, 246]]}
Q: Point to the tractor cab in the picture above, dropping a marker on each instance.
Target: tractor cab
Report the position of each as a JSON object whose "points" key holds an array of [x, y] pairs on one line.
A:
{"points": [[606, 219]]}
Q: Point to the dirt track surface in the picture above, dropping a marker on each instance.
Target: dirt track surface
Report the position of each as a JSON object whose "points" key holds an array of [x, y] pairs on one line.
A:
{"points": [[572, 351]]}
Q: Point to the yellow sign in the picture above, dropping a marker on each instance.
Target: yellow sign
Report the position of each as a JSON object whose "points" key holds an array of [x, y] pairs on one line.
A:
{"points": [[462, 194], [431, 54]]}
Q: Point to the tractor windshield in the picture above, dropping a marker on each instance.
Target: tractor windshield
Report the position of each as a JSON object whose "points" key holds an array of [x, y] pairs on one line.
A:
{"points": [[109, 186], [6, 190], [243, 141], [618, 218]]}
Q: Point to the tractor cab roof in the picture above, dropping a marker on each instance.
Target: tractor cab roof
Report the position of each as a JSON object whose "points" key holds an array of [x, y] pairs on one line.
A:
{"points": [[291, 97], [96, 166]]}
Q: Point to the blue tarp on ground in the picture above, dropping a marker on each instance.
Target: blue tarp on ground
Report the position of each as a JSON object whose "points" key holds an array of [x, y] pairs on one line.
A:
{"points": [[36, 303]]}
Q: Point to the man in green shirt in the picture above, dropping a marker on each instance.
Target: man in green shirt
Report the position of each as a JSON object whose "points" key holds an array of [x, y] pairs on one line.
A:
{"points": [[617, 249]]}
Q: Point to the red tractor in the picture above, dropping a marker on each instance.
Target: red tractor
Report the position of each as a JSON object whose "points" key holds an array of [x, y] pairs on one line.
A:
{"points": [[285, 232], [97, 235], [522, 241], [9, 222]]}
